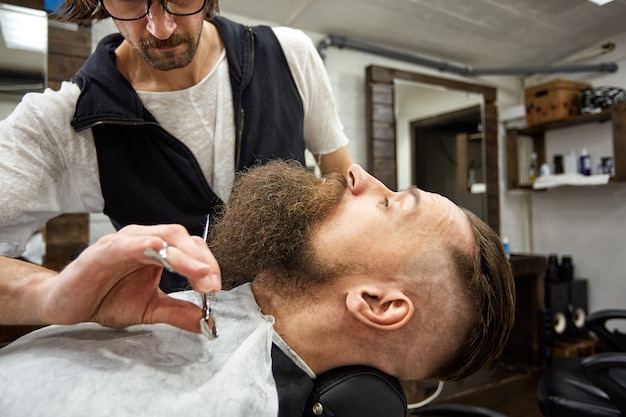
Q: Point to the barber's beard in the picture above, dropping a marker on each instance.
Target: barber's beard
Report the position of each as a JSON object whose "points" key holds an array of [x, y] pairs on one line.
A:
{"points": [[268, 222], [150, 50]]}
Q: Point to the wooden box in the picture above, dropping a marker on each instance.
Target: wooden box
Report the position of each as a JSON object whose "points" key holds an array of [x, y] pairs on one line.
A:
{"points": [[551, 101]]}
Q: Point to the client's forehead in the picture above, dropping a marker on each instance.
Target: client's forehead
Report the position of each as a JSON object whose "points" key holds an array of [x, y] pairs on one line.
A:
{"points": [[441, 231], [449, 218]]}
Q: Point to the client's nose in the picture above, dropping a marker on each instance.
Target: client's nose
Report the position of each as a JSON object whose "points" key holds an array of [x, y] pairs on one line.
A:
{"points": [[359, 180]]}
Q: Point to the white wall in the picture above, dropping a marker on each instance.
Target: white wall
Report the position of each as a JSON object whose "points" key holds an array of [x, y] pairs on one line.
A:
{"points": [[7, 104], [587, 223]]}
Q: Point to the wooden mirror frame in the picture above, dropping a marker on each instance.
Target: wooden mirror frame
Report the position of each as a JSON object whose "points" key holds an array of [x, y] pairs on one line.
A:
{"points": [[381, 129]]}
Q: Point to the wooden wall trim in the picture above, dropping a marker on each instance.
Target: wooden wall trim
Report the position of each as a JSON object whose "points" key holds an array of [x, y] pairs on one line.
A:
{"points": [[32, 4], [381, 129]]}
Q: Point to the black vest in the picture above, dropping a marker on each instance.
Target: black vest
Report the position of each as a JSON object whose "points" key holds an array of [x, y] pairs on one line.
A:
{"points": [[150, 177]]}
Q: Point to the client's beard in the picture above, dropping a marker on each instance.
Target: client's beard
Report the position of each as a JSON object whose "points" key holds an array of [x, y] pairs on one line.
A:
{"points": [[268, 222]]}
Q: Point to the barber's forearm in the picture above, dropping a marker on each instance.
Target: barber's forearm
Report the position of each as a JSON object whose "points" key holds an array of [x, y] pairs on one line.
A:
{"points": [[337, 161], [22, 288]]}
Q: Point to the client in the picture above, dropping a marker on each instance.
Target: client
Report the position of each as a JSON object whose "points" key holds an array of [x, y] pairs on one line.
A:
{"points": [[324, 273]]}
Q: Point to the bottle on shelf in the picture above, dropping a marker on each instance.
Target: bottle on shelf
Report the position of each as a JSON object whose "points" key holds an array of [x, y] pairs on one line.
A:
{"points": [[533, 167], [585, 162], [552, 269], [505, 246], [566, 269], [558, 164]]}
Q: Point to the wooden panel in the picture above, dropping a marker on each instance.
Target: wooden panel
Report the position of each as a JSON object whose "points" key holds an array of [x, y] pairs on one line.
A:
{"points": [[33, 4], [388, 75], [66, 236], [619, 141], [383, 150], [491, 162], [54, 85], [68, 229], [382, 93], [512, 160], [382, 112], [69, 42], [58, 256], [461, 160], [384, 131], [386, 172], [63, 67], [381, 131]]}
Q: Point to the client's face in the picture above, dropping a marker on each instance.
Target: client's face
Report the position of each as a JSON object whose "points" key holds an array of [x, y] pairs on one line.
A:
{"points": [[381, 229], [276, 209]]}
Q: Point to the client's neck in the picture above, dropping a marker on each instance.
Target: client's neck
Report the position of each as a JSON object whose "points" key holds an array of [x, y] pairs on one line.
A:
{"points": [[315, 325]]}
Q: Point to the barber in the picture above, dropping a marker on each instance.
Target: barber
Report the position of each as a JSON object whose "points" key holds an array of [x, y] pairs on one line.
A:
{"points": [[153, 127]]}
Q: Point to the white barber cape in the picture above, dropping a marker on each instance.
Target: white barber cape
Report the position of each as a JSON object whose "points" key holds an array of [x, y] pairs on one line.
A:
{"points": [[145, 370]]}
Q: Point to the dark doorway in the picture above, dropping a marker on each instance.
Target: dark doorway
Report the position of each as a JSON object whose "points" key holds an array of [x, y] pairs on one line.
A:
{"points": [[437, 160]]}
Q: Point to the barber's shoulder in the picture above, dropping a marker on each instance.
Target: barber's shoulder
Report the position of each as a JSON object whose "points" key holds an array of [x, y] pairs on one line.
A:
{"points": [[58, 102], [293, 39]]}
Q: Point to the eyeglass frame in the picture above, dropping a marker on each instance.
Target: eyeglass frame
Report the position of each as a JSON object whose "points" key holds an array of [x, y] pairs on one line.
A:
{"points": [[148, 5]]}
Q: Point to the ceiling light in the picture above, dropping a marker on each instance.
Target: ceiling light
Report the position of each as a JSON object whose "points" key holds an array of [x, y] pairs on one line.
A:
{"points": [[24, 28], [600, 2]]}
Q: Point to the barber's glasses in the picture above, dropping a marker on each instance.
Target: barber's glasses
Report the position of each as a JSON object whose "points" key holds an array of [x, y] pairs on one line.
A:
{"points": [[138, 9]]}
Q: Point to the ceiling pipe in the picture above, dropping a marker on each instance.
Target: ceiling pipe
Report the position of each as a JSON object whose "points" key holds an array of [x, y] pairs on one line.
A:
{"points": [[341, 43]]}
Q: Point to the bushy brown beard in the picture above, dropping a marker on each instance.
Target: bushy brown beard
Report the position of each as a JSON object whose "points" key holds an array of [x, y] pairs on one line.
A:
{"points": [[268, 221], [147, 47]]}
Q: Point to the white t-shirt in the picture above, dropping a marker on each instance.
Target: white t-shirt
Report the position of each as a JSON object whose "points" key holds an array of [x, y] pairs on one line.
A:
{"points": [[146, 370], [46, 168]]}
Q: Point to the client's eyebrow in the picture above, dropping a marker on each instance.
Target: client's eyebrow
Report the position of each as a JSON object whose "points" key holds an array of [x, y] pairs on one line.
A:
{"points": [[415, 192]]}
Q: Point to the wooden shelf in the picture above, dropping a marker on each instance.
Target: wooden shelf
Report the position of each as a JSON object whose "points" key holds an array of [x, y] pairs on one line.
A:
{"points": [[616, 115], [578, 120]]}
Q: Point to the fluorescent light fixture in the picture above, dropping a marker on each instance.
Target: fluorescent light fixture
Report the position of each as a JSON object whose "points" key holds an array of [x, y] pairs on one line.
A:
{"points": [[24, 28], [600, 2]]}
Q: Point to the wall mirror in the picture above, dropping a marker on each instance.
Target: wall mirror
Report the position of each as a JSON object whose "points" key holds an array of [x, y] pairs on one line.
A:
{"points": [[438, 133], [23, 53]]}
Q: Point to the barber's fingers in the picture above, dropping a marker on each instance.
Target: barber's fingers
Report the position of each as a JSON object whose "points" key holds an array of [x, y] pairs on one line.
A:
{"points": [[182, 314], [187, 255], [200, 267], [212, 281]]}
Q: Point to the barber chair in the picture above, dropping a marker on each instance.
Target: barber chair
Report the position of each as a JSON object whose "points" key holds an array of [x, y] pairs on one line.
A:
{"points": [[614, 341], [356, 391], [361, 391], [590, 387]]}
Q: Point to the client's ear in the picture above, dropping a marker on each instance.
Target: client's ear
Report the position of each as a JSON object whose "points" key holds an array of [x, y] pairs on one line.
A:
{"points": [[380, 307]]}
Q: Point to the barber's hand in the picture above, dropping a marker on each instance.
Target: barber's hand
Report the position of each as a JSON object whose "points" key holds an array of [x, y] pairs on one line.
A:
{"points": [[113, 283]]}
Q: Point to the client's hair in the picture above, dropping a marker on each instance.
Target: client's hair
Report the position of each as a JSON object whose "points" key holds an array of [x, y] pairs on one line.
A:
{"points": [[489, 280]]}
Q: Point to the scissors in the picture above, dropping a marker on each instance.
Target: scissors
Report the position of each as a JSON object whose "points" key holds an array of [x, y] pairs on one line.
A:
{"points": [[208, 326]]}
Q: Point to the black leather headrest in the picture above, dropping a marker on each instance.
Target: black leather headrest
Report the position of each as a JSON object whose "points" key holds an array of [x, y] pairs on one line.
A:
{"points": [[356, 391]]}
